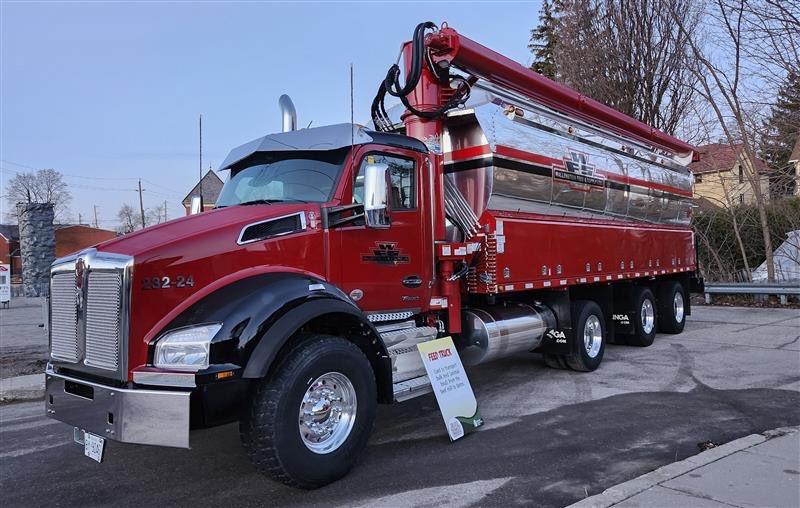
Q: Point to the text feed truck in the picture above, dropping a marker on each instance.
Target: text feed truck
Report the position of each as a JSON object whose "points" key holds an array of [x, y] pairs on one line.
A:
{"points": [[493, 205]]}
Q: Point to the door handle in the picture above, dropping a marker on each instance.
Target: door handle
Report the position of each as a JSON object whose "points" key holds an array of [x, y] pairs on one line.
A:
{"points": [[412, 281]]}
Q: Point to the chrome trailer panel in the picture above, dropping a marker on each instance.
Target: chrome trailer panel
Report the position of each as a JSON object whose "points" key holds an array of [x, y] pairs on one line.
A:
{"points": [[152, 417], [507, 154]]}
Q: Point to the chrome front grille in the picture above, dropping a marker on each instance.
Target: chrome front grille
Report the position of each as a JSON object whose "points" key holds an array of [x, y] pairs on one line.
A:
{"points": [[63, 318], [104, 294], [89, 302]]}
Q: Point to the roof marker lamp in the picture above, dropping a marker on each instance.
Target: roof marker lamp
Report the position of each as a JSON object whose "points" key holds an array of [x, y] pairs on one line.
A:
{"points": [[185, 348]]}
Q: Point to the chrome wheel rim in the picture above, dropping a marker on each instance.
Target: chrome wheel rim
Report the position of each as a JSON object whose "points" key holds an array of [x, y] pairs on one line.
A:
{"points": [[648, 315], [592, 336], [677, 306], [327, 413]]}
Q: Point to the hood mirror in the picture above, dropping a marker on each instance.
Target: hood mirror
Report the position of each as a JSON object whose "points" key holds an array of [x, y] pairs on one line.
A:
{"points": [[377, 212]]}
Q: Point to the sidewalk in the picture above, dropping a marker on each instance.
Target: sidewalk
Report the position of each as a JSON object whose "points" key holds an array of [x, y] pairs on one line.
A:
{"points": [[757, 470], [23, 341], [18, 388]]}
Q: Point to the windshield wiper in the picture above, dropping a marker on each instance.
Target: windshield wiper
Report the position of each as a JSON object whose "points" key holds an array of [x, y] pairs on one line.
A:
{"points": [[271, 201]]}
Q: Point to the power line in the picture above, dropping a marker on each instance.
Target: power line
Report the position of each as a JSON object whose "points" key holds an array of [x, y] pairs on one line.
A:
{"points": [[65, 174], [158, 193], [171, 192], [159, 185]]}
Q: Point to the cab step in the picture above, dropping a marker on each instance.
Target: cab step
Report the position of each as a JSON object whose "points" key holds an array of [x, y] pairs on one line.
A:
{"points": [[410, 388]]}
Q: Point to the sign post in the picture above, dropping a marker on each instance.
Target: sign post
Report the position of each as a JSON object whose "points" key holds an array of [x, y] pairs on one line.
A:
{"points": [[451, 386]]}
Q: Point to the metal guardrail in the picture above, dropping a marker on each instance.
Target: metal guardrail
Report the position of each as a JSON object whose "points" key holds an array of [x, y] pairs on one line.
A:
{"points": [[782, 289]]}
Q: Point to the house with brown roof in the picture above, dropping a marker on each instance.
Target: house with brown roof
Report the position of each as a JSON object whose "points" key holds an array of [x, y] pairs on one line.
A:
{"points": [[722, 176], [209, 188], [795, 160]]}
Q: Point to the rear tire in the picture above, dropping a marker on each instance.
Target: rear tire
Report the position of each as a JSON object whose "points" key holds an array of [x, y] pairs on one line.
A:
{"points": [[589, 334], [671, 307], [310, 420], [644, 319]]}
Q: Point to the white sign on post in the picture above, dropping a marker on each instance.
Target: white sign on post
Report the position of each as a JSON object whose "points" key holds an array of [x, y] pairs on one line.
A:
{"points": [[5, 283], [451, 386]]}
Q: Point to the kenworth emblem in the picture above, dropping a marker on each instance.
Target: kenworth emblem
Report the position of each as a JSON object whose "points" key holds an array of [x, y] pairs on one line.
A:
{"points": [[80, 268]]}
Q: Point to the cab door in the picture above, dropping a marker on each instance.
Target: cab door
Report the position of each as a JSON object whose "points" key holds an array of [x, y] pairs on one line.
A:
{"points": [[388, 269]]}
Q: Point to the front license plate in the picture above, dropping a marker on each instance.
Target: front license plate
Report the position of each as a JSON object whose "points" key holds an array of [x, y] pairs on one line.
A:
{"points": [[93, 446]]}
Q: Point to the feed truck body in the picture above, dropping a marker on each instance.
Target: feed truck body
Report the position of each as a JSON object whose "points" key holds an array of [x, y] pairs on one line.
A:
{"points": [[492, 205]]}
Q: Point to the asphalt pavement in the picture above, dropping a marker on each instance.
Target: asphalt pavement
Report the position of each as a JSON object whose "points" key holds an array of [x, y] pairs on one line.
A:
{"points": [[551, 437]]}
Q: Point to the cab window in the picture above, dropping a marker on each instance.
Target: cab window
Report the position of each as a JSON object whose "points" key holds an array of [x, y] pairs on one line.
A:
{"points": [[404, 180]]}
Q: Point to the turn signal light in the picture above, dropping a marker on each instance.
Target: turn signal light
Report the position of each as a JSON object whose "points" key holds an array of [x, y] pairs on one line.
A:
{"points": [[224, 375]]}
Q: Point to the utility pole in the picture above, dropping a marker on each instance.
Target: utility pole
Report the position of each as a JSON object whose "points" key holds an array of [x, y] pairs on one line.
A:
{"points": [[141, 203], [80, 220], [95, 218], [202, 205], [165, 210]]}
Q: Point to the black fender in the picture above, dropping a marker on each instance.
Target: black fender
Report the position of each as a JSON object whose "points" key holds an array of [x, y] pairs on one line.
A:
{"points": [[260, 316]]}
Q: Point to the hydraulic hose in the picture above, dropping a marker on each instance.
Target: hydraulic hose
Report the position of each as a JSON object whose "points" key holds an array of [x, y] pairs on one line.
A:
{"points": [[391, 84]]}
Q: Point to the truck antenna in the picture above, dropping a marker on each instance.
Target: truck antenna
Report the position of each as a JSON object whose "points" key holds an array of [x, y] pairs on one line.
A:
{"points": [[352, 118], [201, 163]]}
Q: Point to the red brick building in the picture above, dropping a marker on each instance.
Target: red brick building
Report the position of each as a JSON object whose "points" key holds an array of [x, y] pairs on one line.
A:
{"points": [[9, 247], [74, 237]]}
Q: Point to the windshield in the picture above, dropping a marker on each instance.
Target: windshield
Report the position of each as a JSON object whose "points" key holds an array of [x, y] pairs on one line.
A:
{"points": [[283, 176]]}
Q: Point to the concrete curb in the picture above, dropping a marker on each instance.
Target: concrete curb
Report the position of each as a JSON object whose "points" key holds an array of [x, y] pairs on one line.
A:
{"points": [[623, 491], [20, 388]]}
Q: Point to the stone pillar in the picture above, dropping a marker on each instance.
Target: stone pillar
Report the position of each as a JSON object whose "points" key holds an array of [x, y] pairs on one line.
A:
{"points": [[37, 245]]}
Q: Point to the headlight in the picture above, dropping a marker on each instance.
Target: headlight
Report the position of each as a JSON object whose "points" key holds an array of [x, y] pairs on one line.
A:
{"points": [[185, 348]]}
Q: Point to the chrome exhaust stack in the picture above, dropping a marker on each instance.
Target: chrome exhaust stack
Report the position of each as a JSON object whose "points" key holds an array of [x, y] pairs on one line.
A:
{"points": [[288, 114]]}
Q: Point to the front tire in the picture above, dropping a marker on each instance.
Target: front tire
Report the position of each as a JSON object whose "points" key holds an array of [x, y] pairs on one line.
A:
{"points": [[310, 420]]}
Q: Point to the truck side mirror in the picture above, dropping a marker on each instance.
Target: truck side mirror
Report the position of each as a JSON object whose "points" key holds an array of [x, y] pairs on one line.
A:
{"points": [[376, 196]]}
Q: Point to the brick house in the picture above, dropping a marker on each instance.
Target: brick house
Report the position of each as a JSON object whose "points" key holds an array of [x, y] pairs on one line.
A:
{"points": [[74, 237], [9, 247], [211, 186]]}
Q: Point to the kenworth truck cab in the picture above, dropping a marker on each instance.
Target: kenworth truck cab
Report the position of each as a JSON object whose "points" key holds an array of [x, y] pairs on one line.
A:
{"points": [[494, 206]]}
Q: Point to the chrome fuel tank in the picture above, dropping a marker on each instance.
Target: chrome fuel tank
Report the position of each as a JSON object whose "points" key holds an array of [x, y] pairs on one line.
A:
{"points": [[490, 333]]}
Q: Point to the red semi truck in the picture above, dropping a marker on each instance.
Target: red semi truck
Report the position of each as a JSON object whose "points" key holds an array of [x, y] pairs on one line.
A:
{"points": [[492, 205]]}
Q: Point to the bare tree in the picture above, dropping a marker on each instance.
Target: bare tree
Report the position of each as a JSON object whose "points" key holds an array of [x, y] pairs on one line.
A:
{"points": [[156, 215], [129, 219], [719, 61], [629, 55], [772, 32], [43, 186]]}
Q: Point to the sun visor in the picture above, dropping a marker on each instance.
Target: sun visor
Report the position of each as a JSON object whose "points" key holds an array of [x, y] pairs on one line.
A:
{"points": [[330, 137]]}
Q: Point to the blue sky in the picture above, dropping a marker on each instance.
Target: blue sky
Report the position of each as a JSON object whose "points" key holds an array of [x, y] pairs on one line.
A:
{"points": [[108, 93]]}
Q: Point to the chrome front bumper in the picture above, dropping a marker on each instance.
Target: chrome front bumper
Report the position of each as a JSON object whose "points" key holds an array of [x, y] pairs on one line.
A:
{"points": [[154, 417]]}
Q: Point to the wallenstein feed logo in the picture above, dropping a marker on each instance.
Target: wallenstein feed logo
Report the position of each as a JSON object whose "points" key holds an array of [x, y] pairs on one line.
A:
{"points": [[386, 253], [576, 170]]}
